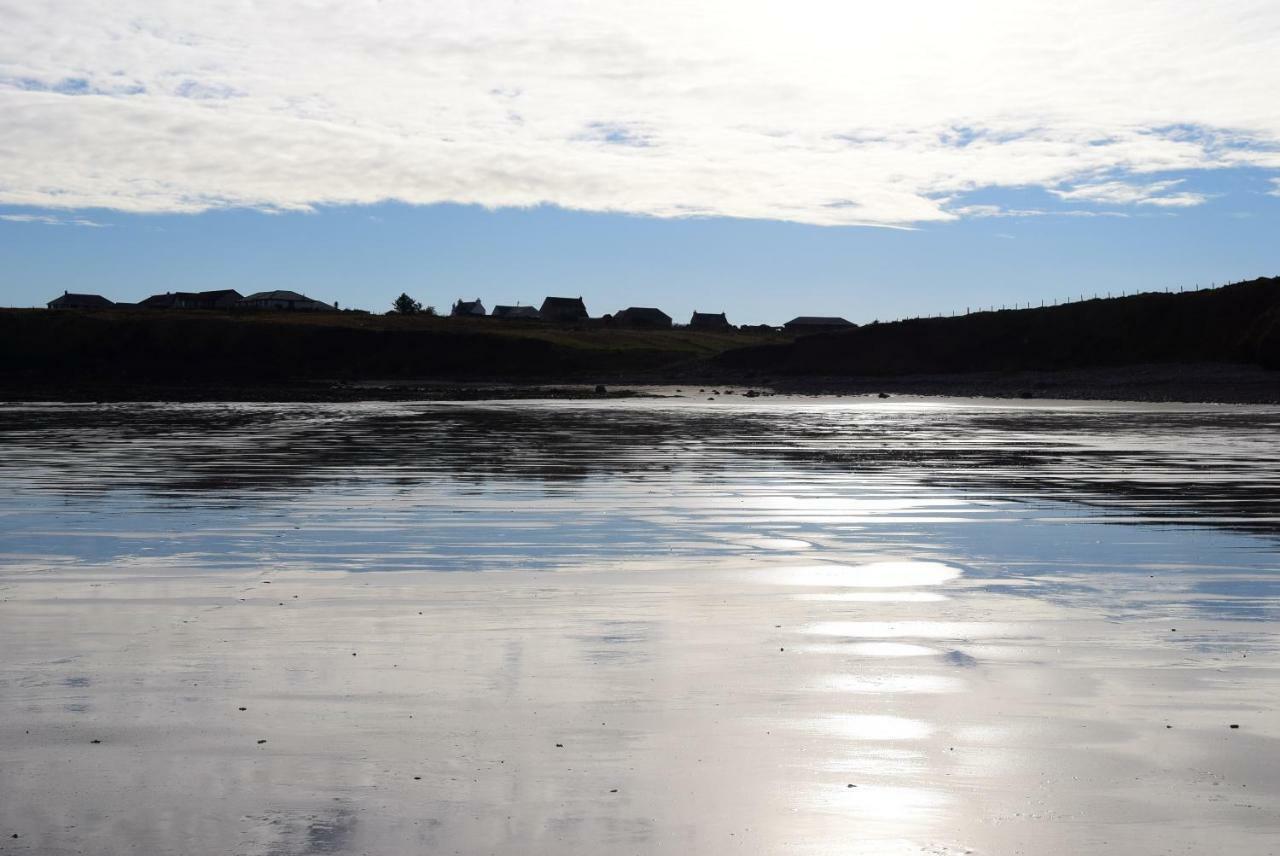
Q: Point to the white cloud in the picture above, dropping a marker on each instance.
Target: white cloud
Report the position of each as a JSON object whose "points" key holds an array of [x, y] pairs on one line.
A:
{"points": [[815, 111], [1125, 193], [1275, 187], [50, 220]]}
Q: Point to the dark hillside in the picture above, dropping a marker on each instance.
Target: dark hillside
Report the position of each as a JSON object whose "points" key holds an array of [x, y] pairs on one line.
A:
{"points": [[57, 348], [1235, 323]]}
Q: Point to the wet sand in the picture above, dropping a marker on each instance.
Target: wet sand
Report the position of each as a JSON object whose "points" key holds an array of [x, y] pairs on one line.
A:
{"points": [[640, 627]]}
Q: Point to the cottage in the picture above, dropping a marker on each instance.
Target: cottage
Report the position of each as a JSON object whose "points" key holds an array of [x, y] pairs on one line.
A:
{"points": [[287, 300], [225, 298], [816, 324], [80, 301], [643, 317], [563, 309], [709, 321], [468, 309], [517, 313]]}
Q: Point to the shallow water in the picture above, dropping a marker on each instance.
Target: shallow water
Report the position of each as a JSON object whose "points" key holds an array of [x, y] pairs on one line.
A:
{"points": [[647, 626]]}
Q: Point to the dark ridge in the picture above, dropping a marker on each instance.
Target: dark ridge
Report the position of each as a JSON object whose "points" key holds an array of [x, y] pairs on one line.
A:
{"points": [[57, 349], [1237, 323]]}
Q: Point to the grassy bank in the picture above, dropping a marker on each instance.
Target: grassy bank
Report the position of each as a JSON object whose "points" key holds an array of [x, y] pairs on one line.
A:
{"points": [[1234, 324], [63, 349]]}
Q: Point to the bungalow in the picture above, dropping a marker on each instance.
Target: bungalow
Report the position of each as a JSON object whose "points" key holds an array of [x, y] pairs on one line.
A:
{"points": [[288, 300], [468, 309], [80, 301], [225, 298], [709, 321], [816, 324], [643, 317], [517, 313], [563, 309]]}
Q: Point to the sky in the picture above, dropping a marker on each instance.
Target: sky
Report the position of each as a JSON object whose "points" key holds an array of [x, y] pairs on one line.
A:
{"points": [[767, 159]]}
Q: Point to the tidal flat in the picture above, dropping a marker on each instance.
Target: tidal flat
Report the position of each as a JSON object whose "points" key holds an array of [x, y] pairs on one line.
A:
{"points": [[675, 626]]}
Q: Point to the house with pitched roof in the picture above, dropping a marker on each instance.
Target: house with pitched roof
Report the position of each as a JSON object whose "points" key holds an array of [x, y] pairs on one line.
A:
{"points": [[709, 321], [563, 309], [79, 301], [643, 317], [468, 309]]}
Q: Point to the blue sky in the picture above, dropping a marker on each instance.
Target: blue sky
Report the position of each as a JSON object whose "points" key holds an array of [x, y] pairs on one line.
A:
{"points": [[757, 270], [767, 158]]}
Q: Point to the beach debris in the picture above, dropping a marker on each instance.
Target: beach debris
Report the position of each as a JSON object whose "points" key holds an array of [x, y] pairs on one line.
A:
{"points": [[99, 741], [417, 778], [559, 745], [260, 742], [850, 786], [613, 790], [243, 708], [1234, 725], [600, 389], [884, 395]]}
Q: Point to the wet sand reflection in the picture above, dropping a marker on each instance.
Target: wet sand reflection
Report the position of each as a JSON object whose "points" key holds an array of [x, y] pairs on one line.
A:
{"points": [[640, 627]]}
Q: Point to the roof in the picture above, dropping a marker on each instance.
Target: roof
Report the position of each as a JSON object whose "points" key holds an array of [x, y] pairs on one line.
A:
{"points": [[642, 313], [564, 304], [818, 321], [277, 295], [85, 300], [172, 298], [468, 307], [516, 312], [709, 319]]}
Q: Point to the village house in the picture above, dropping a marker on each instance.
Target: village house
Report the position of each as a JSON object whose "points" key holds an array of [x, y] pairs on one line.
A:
{"points": [[80, 301], [287, 300], [563, 309], [225, 298], [709, 321], [468, 309], [816, 324], [517, 313], [643, 317]]}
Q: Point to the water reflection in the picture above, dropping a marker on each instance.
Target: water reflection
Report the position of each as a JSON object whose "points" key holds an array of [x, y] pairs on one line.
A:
{"points": [[770, 628], [870, 575], [1133, 459]]}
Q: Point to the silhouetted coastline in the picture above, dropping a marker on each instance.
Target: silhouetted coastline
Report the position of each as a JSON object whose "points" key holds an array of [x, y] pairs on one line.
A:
{"points": [[1218, 344]]}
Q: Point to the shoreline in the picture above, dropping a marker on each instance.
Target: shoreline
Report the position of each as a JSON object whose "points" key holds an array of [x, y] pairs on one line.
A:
{"points": [[1203, 383]]}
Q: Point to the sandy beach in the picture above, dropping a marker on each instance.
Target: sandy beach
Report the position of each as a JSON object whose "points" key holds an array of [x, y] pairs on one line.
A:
{"points": [[645, 626]]}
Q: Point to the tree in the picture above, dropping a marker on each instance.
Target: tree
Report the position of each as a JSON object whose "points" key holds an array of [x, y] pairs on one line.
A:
{"points": [[406, 305]]}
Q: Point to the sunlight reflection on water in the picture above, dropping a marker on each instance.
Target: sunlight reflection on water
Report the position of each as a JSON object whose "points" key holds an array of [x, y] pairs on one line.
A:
{"points": [[641, 627]]}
